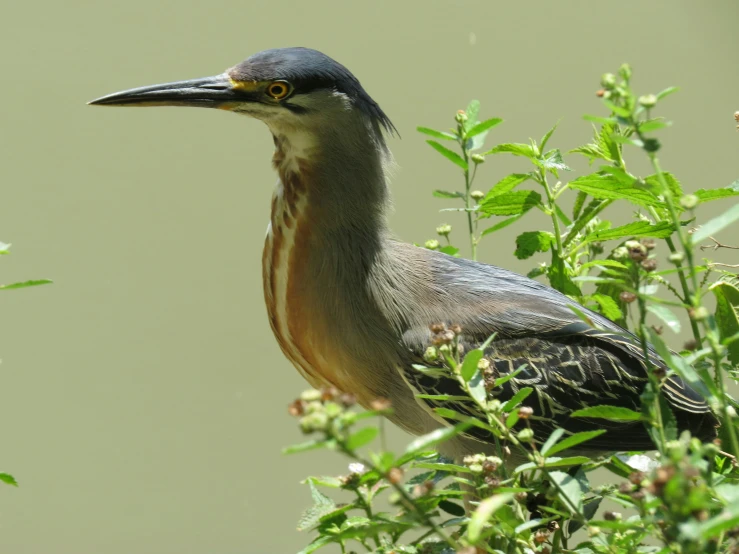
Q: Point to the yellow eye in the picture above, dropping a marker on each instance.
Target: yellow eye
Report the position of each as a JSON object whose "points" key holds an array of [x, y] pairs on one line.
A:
{"points": [[278, 89]]}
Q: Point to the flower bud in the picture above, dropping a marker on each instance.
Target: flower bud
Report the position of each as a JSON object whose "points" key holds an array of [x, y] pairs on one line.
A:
{"points": [[432, 244], [677, 258], [431, 354], [477, 195], [600, 93], [444, 230], [698, 314], [649, 264], [526, 435], [627, 297], [395, 475], [689, 201], [648, 101], [524, 412], [620, 253], [625, 71], [690, 345], [461, 116], [310, 395], [612, 516], [483, 364], [608, 81], [478, 159], [649, 244]]}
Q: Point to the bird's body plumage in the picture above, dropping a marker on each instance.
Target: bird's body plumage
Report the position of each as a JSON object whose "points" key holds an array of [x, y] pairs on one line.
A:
{"points": [[351, 307]]}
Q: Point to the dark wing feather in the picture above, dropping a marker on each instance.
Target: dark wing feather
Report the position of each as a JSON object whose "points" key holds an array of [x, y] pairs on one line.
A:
{"points": [[569, 364]]}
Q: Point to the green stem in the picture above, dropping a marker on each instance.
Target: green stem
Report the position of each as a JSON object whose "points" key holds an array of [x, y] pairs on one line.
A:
{"points": [[552, 208]]}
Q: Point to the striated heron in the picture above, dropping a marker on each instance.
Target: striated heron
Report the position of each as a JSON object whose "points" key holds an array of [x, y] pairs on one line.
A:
{"points": [[352, 308]]}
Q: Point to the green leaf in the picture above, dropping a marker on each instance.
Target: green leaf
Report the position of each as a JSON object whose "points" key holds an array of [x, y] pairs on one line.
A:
{"points": [[660, 230], [563, 462], [726, 292], [4, 248], [436, 134], [672, 183], [469, 365], [705, 195], [429, 440], [560, 276], [611, 413], [510, 203], [448, 154], [483, 513], [666, 315], [483, 127], [507, 184], [531, 242], [513, 148], [608, 306], [609, 187], [305, 446], [517, 398], [319, 542], [447, 194], [472, 111], [25, 284], [666, 92], [571, 488], [553, 438], [501, 225], [579, 203], [322, 505], [361, 437], [653, 125], [452, 508], [450, 250], [8, 479], [553, 162], [716, 224], [477, 387], [572, 440], [547, 136]]}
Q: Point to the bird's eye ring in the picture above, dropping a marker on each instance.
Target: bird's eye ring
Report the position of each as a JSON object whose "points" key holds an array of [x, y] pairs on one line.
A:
{"points": [[279, 89]]}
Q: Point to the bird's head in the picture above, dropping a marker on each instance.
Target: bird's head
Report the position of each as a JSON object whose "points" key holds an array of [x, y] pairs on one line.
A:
{"points": [[286, 88]]}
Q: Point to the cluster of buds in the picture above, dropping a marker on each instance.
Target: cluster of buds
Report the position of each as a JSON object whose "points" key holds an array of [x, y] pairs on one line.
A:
{"points": [[611, 88], [351, 481], [485, 467], [318, 408], [639, 252], [444, 340], [432, 244], [423, 489]]}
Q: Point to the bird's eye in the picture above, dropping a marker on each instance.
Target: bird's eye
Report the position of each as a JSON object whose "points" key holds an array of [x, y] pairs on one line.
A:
{"points": [[278, 89]]}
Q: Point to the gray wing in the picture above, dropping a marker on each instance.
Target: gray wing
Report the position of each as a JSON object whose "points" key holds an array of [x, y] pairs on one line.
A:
{"points": [[569, 364]]}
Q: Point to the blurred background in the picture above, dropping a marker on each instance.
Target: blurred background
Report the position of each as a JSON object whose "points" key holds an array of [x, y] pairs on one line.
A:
{"points": [[142, 395]]}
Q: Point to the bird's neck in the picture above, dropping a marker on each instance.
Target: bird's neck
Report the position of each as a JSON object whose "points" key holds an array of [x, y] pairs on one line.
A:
{"points": [[326, 237]]}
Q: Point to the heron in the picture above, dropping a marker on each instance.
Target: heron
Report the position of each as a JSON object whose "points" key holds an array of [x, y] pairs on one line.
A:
{"points": [[355, 309]]}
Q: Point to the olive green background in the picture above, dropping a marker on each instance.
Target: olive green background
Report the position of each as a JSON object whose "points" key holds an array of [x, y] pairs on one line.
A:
{"points": [[142, 396]]}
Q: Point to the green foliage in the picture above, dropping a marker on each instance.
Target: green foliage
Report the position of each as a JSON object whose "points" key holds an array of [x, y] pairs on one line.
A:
{"points": [[534, 494], [5, 249]]}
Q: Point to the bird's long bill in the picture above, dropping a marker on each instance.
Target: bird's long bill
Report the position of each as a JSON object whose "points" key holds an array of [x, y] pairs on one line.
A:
{"points": [[208, 92]]}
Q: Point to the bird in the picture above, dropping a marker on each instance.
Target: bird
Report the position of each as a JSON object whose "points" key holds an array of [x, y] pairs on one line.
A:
{"points": [[355, 309]]}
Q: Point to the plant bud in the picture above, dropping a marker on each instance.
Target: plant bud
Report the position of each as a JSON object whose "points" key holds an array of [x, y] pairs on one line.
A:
{"points": [[431, 354], [600, 93], [620, 253], [648, 101], [690, 345], [444, 230], [432, 244], [437, 327], [677, 258], [649, 244], [698, 314], [526, 435], [627, 297], [625, 71], [477, 195], [608, 81], [478, 159], [689, 201], [524, 412], [444, 349], [395, 475], [612, 516], [483, 364], [461, 116], [649, 264], [310, 395]]}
